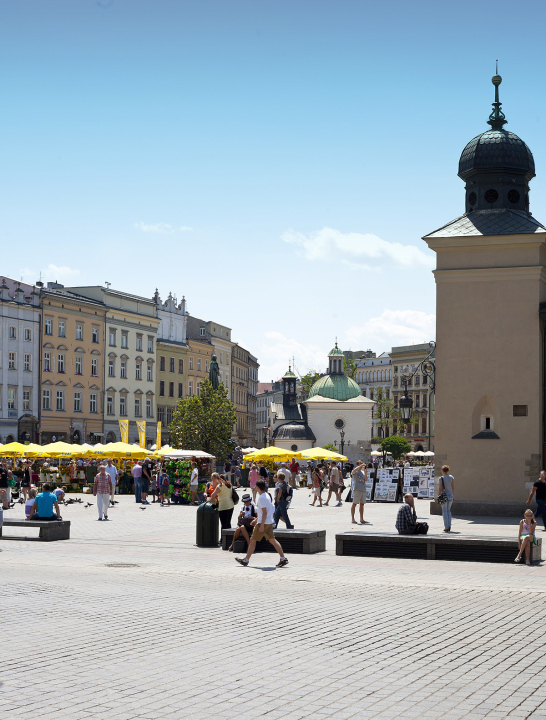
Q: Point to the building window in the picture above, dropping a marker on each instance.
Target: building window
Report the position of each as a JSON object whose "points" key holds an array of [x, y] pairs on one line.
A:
{"points": [[27, 364], [425, 380], [190, 388], [46, 399], [417, 380], [79, 365], [180, 366], [170, 412], [77, 401], [26, 399], [171, 389], [149, 373], [28, 334], [109, 405], [62, 328], [424, 426], [139, 342], [191, 363], [520, 410], [198, 364], [137, 407], [149, 408], [150, 344], [424, 400], [12, 361], [12, 332], [138, 371], [180, 390], [60, 364], [124, 340], [93, 403], [94, 367], [95, 335], [48, 329], [11, 399], [202, 332], [110, 368], [162, 363], [162, 388], [47, 362], [112, 338], [161, 415], [79, 332], [122, 406], [123, 369], [198, 388], [60, 399], [171, 365], [417, 401]]}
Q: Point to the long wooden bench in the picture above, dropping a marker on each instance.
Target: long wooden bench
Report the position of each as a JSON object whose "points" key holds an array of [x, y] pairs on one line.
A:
{"points": [[49, 529], [299, 542], [432, 547]]}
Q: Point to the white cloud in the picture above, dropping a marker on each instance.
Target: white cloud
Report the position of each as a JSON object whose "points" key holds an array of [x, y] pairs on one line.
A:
{"points": [[50, 273], [162, 228], [354, 249], [391, 328], [276, 353]]}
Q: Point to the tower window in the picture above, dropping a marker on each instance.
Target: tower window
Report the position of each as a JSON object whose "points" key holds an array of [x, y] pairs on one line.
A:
{"points": [[491, 196], [487, 423]]}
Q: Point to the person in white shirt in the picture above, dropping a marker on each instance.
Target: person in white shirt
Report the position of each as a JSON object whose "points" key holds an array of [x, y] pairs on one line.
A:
{"points": [[194, 484], [263, 527], [112, 470]]}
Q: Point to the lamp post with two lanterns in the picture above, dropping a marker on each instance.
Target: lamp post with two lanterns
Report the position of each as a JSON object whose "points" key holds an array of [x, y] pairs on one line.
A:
{"points": [[428, 369]]}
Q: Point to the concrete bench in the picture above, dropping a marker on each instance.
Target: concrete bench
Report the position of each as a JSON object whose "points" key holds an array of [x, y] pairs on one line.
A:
{"points": [[432, 547], [49, 529], [295, 542]]}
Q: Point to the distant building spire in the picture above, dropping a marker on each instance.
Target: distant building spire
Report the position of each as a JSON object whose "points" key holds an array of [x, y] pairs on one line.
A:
{"points": [[497, 118]]}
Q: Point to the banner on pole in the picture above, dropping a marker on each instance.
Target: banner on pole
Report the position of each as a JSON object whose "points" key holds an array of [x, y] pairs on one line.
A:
{"points": [[158, 436], [124, 430], [141, 425]]}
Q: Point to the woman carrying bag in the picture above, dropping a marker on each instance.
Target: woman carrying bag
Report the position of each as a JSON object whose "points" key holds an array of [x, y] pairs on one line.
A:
{"points": [[224, 493], [445, 498]]}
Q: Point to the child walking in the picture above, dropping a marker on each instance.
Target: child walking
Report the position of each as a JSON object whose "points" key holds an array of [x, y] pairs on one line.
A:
{"points": [[526, 536]]}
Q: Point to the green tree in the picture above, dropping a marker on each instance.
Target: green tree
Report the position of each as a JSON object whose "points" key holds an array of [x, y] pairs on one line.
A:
{"points": [[349, 368], [330, 447], [396, 445], [205, 422], [308, 380]]}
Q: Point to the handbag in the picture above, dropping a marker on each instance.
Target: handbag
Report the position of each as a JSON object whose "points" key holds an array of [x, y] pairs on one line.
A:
{"points": [[234, 496], [442, 498], [421, 528]]}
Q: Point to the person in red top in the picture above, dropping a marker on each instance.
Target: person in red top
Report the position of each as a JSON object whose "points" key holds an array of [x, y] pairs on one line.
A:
{"points": [[294, 467], [102, 489]]}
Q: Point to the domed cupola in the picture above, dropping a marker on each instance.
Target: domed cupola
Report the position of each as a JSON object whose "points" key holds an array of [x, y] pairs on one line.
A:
{"points": [[497, 166]]}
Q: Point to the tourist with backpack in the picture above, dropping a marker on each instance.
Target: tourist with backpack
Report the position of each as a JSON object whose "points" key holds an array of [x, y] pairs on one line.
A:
{"points": [[283, 495]]}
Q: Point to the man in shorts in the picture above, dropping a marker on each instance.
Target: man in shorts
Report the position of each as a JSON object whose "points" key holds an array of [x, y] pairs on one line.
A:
{"points": [[263, 527], [335, 484], [358, 488]]}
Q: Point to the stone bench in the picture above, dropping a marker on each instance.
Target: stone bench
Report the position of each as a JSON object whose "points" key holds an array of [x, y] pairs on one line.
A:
{"points": [[295, 542], [49, 529], [463, 548]]}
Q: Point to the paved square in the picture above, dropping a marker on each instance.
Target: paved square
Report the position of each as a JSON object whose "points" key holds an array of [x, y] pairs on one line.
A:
{"points": [[129, 619]]}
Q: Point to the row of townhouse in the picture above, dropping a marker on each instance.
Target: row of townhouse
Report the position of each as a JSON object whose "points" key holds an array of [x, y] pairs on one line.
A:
{"points": [[75, 361]]}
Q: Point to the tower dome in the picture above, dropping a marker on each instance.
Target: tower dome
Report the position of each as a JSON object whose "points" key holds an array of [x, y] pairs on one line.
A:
{"points": [[497, 166], [335, 387]]}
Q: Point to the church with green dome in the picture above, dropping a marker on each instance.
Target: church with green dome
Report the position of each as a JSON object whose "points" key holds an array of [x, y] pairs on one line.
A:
{"points": [[335, 412]]}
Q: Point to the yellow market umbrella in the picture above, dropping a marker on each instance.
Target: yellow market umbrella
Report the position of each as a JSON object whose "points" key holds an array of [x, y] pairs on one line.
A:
{"points": [[121, 450], [61, 449], [319, 453], [12, 449], [272, 453], [32, 450]]}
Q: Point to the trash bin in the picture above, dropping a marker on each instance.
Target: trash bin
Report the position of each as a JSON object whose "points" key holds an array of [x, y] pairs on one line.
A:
{"points": [[207, 532], [245, 482]]}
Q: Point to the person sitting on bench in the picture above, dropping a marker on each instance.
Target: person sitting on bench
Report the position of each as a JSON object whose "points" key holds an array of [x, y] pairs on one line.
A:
{"points": [[43, 506], [406, 520]]}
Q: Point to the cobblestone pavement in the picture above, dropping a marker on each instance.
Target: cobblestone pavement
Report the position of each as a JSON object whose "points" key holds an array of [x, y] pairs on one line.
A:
{"points": [[129, 619]]}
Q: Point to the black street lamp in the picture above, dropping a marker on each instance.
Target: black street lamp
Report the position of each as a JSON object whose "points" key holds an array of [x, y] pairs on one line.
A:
{"points": [[428, 368]]}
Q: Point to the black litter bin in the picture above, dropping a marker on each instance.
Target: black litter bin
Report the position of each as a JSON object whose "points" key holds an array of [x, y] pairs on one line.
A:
{"points": [[207, 532]]}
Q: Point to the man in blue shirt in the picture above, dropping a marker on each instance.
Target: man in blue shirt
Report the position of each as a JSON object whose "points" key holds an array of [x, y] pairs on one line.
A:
{"points": [[43, 506]]}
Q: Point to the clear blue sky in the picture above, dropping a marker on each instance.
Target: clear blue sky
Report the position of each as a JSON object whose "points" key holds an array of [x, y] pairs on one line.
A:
{"points": [[203, 146]]}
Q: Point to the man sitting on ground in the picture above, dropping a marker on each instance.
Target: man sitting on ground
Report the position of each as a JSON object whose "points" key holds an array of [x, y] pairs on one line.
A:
{"points": [[406, 520], [43, 506]]}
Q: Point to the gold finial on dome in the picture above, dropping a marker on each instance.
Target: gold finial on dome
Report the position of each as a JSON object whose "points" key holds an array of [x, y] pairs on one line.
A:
{"points": [[496, 79]]}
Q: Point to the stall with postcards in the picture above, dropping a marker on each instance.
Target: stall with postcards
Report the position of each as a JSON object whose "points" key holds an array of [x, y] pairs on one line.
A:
{"points": [[419, 481]]}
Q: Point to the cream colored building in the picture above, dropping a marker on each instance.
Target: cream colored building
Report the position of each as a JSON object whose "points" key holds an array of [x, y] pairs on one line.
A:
{"points": [[491, 291], [407, 361], [131, 324]]}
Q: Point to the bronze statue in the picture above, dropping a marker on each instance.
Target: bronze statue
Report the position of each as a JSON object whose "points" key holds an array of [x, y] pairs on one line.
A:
{"points": [[214, 373]]}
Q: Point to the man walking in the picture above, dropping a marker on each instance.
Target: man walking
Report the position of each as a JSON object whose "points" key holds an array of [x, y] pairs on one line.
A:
{"points": [[335, 484], [137, 477], [102, 489], [263, 527], [281, 501], [112, 470], [359, 477], [539, 491]]}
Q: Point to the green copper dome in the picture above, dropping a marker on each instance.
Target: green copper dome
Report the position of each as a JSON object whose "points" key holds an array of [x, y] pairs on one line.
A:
{"points": [[334, 352], [335, 387]]}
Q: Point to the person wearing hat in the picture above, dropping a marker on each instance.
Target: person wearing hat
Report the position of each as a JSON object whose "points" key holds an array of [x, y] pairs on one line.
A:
{"points": [[244, 521]]}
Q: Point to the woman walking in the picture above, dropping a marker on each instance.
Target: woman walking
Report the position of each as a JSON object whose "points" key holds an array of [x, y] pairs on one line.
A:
{"points": [[225, 502], [317, 486], [447, 484], [253, 476]]}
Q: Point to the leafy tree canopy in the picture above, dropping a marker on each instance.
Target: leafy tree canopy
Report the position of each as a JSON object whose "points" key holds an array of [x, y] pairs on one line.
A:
{"points": [[205, 422], [396, 445]]}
